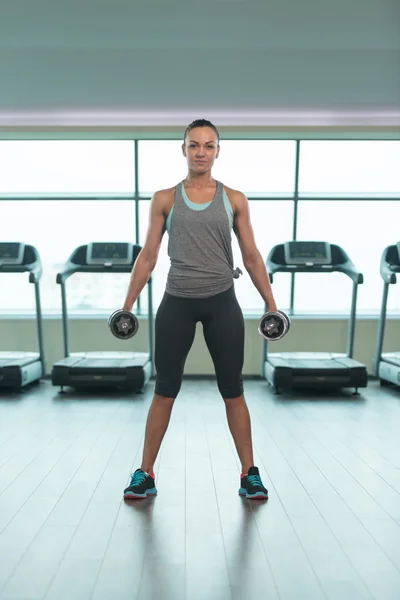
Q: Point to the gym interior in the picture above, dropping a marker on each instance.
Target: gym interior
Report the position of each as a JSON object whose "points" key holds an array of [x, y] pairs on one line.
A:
{"points": [[94, 100]]}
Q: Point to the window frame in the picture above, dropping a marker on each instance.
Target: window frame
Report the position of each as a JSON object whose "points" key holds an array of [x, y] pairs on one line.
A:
{"points": [[228, 135]]}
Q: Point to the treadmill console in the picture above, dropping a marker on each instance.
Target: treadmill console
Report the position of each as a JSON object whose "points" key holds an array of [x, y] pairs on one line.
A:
{"points": [[109, 253], [307, 253], [11, 253]]}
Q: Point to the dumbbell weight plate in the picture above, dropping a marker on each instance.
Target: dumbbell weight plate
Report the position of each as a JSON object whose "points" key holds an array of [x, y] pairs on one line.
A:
{"points": [[285, 316], [273, 326], [123, 324]]}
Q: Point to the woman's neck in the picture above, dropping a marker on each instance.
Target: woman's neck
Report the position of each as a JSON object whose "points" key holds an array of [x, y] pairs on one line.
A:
{"points": [[199, 181]]}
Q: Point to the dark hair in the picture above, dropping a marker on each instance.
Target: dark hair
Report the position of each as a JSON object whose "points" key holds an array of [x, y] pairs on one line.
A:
{"points": [[200, 123]]}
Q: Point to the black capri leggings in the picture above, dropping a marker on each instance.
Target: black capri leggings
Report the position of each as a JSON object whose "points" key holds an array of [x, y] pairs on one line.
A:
{"points": [[223, 328]]}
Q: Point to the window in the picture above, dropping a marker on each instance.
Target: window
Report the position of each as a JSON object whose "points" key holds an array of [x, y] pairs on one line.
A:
{"points": [[56, 228], [272, 222], [161, 165], [39, 180], [349, 168], [363, 230], [51, 168], [258, 168]]}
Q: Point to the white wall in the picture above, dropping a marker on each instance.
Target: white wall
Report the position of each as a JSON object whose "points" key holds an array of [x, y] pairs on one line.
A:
{"points": [[310, 335]]}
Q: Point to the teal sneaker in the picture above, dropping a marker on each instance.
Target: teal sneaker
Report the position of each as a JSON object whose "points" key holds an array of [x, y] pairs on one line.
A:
{"points": [[142, 485], [252, 487]]}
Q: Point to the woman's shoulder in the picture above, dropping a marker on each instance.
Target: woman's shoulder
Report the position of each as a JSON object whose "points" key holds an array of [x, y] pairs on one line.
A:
{"points": [[166, 192], [236, 197], [165, 198]]}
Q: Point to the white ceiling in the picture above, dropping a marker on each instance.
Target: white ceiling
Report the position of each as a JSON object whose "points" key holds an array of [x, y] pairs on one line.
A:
{"points": [[147, 62]]}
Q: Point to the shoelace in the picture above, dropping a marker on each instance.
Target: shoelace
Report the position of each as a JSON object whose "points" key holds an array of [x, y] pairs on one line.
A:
{"points": [[255, 480], [138, 478]]}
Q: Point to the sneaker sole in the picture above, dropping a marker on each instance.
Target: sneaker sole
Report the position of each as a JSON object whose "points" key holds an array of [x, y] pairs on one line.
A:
{"points": [[256, 496], [133, 496]]}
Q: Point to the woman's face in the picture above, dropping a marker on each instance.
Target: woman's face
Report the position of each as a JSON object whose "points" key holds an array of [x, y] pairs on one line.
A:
{"points": [[201, 149]]}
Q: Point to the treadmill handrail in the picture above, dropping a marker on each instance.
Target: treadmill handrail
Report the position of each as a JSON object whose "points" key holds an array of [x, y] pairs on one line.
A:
{"points": [[71, 268], [35, 274], [348, 268], [34, 269], [388, 270]]}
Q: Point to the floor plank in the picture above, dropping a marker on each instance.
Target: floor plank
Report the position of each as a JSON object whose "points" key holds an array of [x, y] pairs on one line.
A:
{"points": [[331, 528]]}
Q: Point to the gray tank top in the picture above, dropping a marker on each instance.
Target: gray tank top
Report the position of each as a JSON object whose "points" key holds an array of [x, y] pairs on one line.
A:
{"points": [[200, 246]]}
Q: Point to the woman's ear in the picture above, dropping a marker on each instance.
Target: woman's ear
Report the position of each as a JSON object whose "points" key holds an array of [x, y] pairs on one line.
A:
{"points": [[183, 150]]}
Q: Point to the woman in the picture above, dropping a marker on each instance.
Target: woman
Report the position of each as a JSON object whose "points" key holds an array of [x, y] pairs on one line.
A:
{"points": [[199, 215]]}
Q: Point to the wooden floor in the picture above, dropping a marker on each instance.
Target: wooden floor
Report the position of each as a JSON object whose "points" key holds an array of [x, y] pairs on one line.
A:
{"points": [[330, 530]]}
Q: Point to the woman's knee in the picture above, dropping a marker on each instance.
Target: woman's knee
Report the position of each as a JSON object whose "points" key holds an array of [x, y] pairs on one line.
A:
{"points": [[168, 386], [230, 388]]}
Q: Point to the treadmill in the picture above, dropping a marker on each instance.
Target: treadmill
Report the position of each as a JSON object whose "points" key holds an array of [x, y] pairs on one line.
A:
{"points": [[387, 366], [19, 369], [318, 370], [127, 370]]}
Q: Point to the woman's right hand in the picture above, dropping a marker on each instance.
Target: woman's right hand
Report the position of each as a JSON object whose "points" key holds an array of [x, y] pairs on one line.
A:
{"points": [[127, 307]]}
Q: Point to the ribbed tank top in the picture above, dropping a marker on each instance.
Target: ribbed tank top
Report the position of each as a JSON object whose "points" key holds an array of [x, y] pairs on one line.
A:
{"points": [[200, 246]]}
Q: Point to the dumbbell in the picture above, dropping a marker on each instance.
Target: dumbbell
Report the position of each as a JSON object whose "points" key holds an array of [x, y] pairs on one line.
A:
{"points": [[274, 325], [123, 324]]}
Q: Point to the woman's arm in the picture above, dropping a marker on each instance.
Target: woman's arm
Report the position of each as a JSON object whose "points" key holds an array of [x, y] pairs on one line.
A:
{"points": [[252, 259], [147, 258]]}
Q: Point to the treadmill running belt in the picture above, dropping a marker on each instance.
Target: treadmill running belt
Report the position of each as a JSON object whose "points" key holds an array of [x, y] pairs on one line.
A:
{"points": [[108, 364], [330, 365], [116, 363], [18, 362], [325, 372], [393, 359]]}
